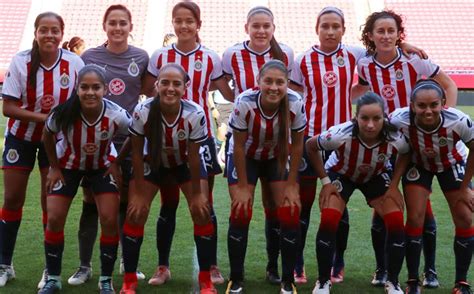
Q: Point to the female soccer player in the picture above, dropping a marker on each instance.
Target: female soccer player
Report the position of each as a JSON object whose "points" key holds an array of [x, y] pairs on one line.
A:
{"points": [[125, 67], [437, 135], [174, 129], [204, 68], [38, 79], [242, 63], [86, 122], [261, 124], [392, 75], [361, 149], [76, 45]]}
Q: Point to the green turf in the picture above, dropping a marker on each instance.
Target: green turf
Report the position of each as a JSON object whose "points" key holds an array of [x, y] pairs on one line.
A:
{"points": [[29, 253]]}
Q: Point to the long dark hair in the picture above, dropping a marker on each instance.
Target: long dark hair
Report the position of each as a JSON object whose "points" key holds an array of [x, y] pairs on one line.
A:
{"points": [[387, 128], [35, 54], [195, 10], [275, 49], [154, 128], [66, 114], [283, 115], [369, 27], [425, 84]]}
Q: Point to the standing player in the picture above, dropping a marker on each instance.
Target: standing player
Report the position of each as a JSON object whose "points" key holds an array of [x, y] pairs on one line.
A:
{"points": [[437, 135], [242, 63], [38, 79], [392, 75], [203, 67], [259, 147], [360, 160], [170, 131], [124, 66], [87, 123]]}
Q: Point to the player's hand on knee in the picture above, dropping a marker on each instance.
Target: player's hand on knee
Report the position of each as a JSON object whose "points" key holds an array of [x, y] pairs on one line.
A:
{"points": [[54, 178]]}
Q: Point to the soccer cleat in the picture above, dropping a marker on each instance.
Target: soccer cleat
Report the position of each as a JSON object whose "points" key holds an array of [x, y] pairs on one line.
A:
{"points": [[82, 275], [300, 278], [462, 287], [140, 275], [129, 288], [216, 276], [7, 273], [273, 277], [207, 288], [161, 275], [51, 286], [413, 287], [322, 288], [393, 288], [430, 279], [380, 278], [288, 288], [337, 275], [106, 286], [44, 278], [234, 287]]}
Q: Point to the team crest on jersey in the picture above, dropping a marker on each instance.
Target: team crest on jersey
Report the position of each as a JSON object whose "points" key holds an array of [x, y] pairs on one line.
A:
{"points": [[133, 69], [181, 134], [236, 112], [12, 156], [146, 169], [399, 74], [429, 152], [104, 135], [117, 86], [64, 80], [443, 141], [330, 79], [364, 168], [198, 65], [303, 164], [57, 186], [413, 174], [338, 185], [388, 92], [382, 157], [340, 61], [47, 102], [89, 148]]}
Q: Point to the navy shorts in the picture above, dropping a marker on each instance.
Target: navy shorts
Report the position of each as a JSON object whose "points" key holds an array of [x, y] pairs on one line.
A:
{"points": [[171, 175], [209, 153], [449, 180], [374, 188], [306, 170], [267, 169], [126, 169], [21, 154], [98, 184]]}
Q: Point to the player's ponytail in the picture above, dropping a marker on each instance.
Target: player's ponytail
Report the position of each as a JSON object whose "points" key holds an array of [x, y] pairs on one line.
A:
{"points": [[35, 50]]}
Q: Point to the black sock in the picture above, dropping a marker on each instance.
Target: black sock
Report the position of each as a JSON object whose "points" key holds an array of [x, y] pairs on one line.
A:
{"points": [[342, 236], [203, 240], [429, 243], [131, 243], [9, 225], [237, 237], [272, 235], [165, 228], [87, 234], [326, 242], [378, 233], [463, 249], [395, 244], [305, 218], [214, 237], [108, 254], [414, 244], [53, 250]]}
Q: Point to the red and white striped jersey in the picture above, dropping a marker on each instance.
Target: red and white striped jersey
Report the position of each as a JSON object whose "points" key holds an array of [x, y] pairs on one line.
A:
{"points": [[353, 158], [395, 81], [86, 146], [243, 64], [327, 82], [54, 85], [442, 148], [248, 116], [202, 65], [190, 125]]}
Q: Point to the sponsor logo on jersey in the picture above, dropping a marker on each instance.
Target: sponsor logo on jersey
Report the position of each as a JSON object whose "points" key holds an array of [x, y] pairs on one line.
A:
{"points": [[364, 168], [116, 86], [429, 152], [399, 74], [90, 148], [12, 156], [330, 79], [133, 69], [388, 92], [413, 174], [181, 134], [443, 141], [340, 61], [64, 80], [338, 185], [47, 102], [198, 65]]}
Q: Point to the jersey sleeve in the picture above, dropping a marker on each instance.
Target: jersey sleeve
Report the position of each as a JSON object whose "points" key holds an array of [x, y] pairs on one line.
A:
{"points": [[227, 61], [138, 120], [466, 129], [152, 64], [296, 75], [426, 67], [298, 113], [51, 125], [331, 139], [217, 69], [123, 121], [290, 57], [357, 51], [199, 131], [237, 119], [361, 72], [400, 143], [12, 83]]}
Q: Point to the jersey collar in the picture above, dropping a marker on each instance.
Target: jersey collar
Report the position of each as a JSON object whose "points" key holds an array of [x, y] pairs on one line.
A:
{"points": [[316, 48], [185, 53], [399, 55], [98, 119], [246, 46]]}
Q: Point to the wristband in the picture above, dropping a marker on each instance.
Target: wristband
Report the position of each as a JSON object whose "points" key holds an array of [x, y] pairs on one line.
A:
{"points": [[325, 180]]}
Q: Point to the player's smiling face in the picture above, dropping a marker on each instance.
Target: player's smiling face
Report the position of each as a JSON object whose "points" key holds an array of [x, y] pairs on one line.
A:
{"points": [[385, 35], [91, 90], [273, 84], [49, 34], [427, 107], [117, 26], [185, 25], [260, 29], [370, 121], [330, 31], [171, 87]]}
